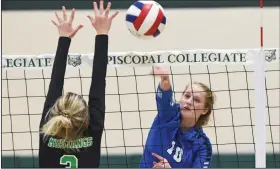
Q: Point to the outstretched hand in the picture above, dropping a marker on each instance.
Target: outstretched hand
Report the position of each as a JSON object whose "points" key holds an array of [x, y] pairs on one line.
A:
{"points": [[163, 163], [102, 21], [65, 27], [160, 71]]}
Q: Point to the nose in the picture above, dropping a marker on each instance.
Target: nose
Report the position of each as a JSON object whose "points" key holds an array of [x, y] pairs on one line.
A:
{"points": [[189, 101]]}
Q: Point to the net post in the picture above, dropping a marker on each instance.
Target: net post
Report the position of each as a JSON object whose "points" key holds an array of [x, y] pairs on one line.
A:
{"points": [[260, 128]]}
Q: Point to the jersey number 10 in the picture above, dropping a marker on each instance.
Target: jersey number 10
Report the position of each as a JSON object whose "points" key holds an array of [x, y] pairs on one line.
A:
{"points": [[70, 160], [178, 152]]}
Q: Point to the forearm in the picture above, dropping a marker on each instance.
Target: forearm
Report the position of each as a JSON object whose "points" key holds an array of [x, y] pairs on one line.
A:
{"points": [[167, 109], [165, 83], [58, 73], [59, 67], [97, 88], [59, 64], [98, 82]]}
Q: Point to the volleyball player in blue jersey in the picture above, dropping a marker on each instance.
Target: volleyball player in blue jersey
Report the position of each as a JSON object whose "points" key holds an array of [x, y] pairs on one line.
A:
{"points": [[176, 138]]}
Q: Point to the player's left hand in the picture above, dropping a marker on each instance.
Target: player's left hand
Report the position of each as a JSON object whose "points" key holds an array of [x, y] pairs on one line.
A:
{"points": [[102, 21], [163, 163]]}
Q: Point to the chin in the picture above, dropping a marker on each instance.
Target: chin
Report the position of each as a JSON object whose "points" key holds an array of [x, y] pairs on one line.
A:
{"points": [[184, 111], [187, 113]]}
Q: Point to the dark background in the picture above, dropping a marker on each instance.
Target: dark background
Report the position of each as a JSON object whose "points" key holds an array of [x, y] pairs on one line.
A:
{"points": [[124, 4]]}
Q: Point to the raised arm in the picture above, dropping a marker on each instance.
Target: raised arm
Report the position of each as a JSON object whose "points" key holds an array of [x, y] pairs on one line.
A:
{"points": [[101, 23], [66, 32], [167, 109]]}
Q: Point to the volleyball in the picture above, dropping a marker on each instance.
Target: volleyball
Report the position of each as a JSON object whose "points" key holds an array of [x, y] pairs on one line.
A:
{"points": [[145, 19]]}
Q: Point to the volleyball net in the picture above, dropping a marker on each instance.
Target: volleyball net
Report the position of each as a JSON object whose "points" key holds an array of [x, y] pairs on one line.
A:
{"points": [[131, 106]]}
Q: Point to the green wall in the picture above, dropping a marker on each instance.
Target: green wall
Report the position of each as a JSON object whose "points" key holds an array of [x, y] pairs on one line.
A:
{"points": [[221, 161], [87, 4]]}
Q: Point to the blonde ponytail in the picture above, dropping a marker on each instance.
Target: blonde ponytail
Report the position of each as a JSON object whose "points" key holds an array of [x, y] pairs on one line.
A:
{"points": [[67, 118], [58, 126]]}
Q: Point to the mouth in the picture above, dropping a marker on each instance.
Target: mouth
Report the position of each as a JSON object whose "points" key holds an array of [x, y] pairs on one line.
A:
{"points": [[187, 108]]}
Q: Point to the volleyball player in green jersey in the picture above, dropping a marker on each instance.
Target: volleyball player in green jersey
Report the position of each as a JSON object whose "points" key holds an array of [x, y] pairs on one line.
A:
{"points": [[71, 130]]}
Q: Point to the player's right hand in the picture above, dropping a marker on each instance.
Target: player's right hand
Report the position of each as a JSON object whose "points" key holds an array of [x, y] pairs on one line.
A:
{"points": [[102, 21], [160, 71], [64, 25]]}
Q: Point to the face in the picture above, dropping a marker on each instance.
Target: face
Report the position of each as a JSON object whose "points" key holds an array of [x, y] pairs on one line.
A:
{"points": [[192, 103]]}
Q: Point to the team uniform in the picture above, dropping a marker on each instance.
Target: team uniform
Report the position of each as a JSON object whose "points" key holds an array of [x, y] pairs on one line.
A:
{"points": [[51, 150], [191, 149]]}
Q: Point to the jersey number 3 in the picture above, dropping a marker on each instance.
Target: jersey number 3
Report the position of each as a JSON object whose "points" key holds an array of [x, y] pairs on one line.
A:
{"points": [[178, 152], [70, 160]]}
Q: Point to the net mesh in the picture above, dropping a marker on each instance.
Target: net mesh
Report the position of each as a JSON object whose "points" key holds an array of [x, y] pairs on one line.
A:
{"points": [[131, 108]]}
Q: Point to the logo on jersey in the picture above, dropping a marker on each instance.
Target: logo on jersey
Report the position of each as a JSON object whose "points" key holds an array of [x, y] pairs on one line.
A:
{"points": [[177, 152], [205, 164], [159, 93], [74, 60], [62, 144]]}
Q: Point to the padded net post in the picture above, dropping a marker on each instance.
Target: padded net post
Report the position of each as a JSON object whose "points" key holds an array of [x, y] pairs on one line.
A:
{"points": [[260, 109]]}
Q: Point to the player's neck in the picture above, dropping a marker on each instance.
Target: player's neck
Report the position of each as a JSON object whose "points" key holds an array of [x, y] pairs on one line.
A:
{"points": [[186, 125]]}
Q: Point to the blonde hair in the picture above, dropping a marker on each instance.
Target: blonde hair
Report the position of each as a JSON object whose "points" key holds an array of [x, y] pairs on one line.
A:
{"points": [[67, 118], [209, 104]]}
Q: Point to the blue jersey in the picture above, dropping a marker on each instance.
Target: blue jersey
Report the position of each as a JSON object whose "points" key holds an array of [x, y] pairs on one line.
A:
{"points": [[191, 149]]}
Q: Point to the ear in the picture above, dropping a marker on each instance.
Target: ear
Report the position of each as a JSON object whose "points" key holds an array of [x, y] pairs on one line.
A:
{"points": [[205, 111]]}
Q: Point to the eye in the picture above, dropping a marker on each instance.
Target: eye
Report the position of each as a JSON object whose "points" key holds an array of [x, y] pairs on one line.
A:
{"points": [[187, 96], [197, 100]]}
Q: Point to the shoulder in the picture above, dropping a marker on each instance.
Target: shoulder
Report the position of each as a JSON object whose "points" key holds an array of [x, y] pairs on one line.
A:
{"points": [[199, 138], [204, 141]]}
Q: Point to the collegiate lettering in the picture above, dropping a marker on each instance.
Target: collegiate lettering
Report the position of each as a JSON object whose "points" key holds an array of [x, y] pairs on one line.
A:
{"points": [[178, 58], [28, 62], [195, 57], [207, 57], [243, 57], [31, 63], [48, 62], [9, 62], [135, 59], [201, 57], [204, 57]]}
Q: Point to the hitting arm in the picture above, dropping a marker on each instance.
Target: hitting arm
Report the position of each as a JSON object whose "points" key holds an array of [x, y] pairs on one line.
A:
{"points": [[167, 109]]}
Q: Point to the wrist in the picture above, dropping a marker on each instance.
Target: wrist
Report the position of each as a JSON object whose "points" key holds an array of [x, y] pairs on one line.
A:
{"points": [[66, 35], [164, 77], [64, 38], [101, 32]]}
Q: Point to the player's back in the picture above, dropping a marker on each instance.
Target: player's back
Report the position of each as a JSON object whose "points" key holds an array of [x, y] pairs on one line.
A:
{"points": [[80, 153]]}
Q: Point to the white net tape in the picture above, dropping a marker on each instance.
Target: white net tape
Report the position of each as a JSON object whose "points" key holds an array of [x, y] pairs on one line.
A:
{"points": [[242, 56]]}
